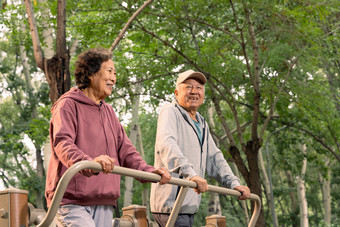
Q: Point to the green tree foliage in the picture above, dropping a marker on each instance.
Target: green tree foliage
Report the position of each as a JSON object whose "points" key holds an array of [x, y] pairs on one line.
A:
{"points": [[278, 56]]}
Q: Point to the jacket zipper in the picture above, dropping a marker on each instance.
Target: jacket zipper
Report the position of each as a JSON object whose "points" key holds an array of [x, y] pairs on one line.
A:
{"points": [[203, 135]]}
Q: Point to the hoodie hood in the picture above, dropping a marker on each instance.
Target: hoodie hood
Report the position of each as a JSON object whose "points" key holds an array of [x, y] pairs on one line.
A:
{"points": [[77, 95]]}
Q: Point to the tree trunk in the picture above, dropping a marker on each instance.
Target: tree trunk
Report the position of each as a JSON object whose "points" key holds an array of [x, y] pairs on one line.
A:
{"points": [[129, 180], [294, 204], [326, 198], [302, 192], [326, 194], [47, 32], [146, 202], [58, 76], [252, 177], [56, 69], [48, 48], [133, 137], [73, 48], [243, 202], [214, 206], [333, 86], [39, 159], [268, 190], [128, 191], [41, 173], [146, 193], [47, 150]]}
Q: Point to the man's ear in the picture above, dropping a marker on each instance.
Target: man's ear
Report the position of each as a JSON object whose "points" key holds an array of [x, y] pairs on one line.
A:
{"points": [[176, 93]]}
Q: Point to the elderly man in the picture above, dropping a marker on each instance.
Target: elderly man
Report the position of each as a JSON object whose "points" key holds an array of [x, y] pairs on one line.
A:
{"points": [[185, 147]]}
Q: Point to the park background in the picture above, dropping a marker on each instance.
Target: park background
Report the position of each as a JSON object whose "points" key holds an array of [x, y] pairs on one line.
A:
{"points": [[272, 97]]}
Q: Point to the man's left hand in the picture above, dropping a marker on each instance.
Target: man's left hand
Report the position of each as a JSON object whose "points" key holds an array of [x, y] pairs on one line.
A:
{"points": [[165, 175], [245, 192]]}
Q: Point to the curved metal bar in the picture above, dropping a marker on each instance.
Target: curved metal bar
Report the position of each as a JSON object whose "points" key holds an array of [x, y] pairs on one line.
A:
{"points": [[73, 170], [177, 206], [61, 188]]}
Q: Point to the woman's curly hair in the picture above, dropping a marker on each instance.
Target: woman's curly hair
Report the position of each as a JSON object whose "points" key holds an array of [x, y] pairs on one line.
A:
{"points": [[89, 63]]}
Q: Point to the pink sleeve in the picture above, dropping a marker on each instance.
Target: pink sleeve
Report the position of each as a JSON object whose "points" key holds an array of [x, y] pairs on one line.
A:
{"points": [[63, 131]]}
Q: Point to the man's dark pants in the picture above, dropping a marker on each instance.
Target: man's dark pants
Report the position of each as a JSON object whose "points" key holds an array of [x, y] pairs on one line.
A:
{"points": [[183, 220]]}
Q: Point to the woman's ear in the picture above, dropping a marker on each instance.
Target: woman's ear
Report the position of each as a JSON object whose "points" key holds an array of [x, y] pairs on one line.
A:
{"points": [[91, 77]]}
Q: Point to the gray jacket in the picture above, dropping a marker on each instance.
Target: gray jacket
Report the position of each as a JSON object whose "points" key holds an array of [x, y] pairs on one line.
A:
{"points": [[179, 149]]}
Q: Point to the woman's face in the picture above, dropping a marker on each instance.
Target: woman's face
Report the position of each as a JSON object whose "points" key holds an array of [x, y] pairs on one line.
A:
{"points": [[102, 82]]}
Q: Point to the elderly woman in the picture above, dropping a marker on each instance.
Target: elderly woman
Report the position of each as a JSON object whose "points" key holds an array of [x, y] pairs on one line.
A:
{"points": [[84, 127]]}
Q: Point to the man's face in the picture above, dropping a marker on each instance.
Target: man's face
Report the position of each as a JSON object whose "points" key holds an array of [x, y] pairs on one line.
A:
{"points": [[190, 94]]}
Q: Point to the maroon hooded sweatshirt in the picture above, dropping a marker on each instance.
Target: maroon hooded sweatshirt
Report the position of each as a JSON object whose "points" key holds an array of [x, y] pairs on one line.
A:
{"points": [[81, 129]]}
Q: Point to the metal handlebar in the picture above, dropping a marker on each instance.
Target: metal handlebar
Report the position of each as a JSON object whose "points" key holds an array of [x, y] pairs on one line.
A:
{"points": [[73, 170]]}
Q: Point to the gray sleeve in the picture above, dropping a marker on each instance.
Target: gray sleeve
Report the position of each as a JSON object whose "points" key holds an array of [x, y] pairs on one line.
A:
{"points": [[217, 166], [167, 149]]}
